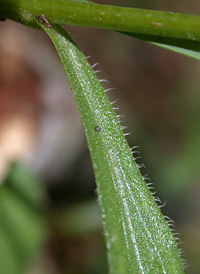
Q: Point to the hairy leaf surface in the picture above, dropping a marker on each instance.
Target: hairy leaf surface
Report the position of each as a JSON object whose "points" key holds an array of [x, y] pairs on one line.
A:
{"points": [[138, 237]]}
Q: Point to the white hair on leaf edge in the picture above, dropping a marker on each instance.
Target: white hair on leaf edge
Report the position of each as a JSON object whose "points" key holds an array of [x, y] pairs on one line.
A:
{"points": [[170, 222], [94, 65], [88, 57], [115, 101], [97, 71], [109, 89], [103, 81]]}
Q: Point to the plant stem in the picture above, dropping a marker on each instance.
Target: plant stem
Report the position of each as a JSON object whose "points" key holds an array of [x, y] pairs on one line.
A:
{"points": [[138, 21]]}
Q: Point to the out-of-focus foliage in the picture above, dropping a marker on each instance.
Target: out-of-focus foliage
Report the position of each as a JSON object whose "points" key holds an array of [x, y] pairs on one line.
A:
{"points": [[22, 226]]}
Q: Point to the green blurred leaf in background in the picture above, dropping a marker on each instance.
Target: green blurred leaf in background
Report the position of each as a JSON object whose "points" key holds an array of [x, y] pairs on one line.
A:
{"points": [[22, 225]]}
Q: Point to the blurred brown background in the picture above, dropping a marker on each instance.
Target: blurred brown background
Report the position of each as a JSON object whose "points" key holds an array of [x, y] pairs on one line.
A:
{"points": [[159, 95]]}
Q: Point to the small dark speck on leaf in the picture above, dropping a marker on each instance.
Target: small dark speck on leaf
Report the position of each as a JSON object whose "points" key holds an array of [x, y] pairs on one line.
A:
{"points": [[97, 128]]}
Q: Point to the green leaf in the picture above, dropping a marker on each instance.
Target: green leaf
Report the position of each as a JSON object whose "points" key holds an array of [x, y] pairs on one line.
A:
{"points": [[181, 46], [189, 53], [138, 237], [22, 229]]}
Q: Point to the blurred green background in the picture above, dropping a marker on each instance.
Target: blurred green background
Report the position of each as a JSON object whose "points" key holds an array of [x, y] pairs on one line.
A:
{"points": [[49, 218]]}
